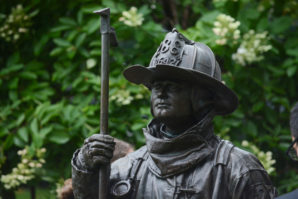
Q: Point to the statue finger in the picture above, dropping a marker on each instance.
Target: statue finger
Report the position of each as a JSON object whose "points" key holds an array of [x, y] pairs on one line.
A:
{"points": [[100, 138], [99, 145], [101, 152]]}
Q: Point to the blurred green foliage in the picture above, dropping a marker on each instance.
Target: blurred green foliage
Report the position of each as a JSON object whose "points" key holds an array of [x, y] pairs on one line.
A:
{"points": [[50, 81]]}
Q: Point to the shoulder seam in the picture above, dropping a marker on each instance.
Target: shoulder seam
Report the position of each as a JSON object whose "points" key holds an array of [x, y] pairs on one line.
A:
{"points": [[222, 153]]}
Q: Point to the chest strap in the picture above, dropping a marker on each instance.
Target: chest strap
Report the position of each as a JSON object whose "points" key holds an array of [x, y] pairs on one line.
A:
{"points": [[136, 166]]}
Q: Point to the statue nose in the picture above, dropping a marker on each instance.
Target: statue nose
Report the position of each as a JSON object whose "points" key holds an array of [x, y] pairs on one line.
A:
{"points": [[162, 92]]}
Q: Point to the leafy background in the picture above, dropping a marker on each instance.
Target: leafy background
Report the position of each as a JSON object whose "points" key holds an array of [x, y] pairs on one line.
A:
{"points": [[50, 81]]}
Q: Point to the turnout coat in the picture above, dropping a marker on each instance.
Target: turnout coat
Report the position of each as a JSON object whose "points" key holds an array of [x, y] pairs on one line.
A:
{"points": [[196, 164]]}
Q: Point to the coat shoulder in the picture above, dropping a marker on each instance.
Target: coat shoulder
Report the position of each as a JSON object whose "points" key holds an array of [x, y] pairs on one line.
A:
{"points": [[244, 161], [237, 160]]}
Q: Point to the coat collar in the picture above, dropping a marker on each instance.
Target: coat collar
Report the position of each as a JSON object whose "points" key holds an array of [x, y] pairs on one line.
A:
{"points": [[168, 157]]}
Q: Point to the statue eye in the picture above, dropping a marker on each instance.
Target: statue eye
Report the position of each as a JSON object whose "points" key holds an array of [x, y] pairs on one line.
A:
{"points": [[156, 86], [174, 87]]}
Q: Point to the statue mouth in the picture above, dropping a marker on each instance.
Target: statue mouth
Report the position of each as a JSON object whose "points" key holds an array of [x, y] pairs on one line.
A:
{"points": [[162, 105]]}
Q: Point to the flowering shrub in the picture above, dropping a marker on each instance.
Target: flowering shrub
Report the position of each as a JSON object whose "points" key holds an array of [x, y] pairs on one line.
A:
{"points": [[226, 27], [252, 48], [17, 24], [25, 170]]}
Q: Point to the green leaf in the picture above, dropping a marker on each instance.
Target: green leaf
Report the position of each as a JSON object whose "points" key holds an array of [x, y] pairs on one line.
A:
{"points": [[2, 16], [67, 113], [13, 84], [250, 129], [84, 52], [40, 44], [281, 24], [41, 109], [92, 26], [292, 52], [95, 43], [34, 13], [95, 52], [80, 17], [67, 21], [34, 126], [291, 71], [56, 51], [258, 106], [20, 119], [72, 35], [71, 53], [61, 28], [18, 142], [12, 60], [28, 75], [23, 134], [80, 39], [262, 25], [252, 13], [209, 17], [45, 131], [10, 69], [38, 140], [13, 95], [3, 132], [8, 142], [62, 42], [59, 137]]}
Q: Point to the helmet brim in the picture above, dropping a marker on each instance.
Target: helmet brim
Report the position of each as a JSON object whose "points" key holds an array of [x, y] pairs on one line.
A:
{"points": [[226, 99]]}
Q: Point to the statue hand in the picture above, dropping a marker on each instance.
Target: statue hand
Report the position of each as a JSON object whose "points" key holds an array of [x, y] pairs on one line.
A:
{"points": [[97, 150]]}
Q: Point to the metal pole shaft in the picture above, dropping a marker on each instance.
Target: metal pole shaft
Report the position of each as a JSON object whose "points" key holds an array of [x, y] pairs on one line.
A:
{"points": [[104, 171], [104, 106]]}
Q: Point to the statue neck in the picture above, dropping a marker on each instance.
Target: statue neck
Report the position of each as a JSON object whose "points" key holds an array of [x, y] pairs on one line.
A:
{"points": [[174, 129]]}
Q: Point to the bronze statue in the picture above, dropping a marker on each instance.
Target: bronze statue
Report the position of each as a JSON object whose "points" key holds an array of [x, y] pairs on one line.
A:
{"points": [[182, 157]]}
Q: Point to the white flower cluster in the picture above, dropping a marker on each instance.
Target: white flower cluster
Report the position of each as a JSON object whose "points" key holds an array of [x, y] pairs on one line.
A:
{"points": [[132, 17], [265, 158], [226, 27], [251, 48], [25, 170], [15, 25], [122, 97]]}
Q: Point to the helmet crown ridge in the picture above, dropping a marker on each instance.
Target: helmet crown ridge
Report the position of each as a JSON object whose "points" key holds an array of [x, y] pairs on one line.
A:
{"points": [[176, 50]]}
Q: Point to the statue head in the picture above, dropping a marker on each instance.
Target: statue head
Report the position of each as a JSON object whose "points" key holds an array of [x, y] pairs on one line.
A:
{"points": [[191, 65]]}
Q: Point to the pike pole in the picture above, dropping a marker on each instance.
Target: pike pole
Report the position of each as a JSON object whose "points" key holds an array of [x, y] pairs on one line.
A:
{"points": [[108, 37]]}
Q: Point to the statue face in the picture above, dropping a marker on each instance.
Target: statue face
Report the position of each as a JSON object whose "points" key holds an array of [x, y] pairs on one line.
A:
{"points": [[171, 101]]}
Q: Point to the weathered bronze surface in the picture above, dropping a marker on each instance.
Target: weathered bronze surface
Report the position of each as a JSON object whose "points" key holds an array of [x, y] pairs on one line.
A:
{"points": [[182, 157]]}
